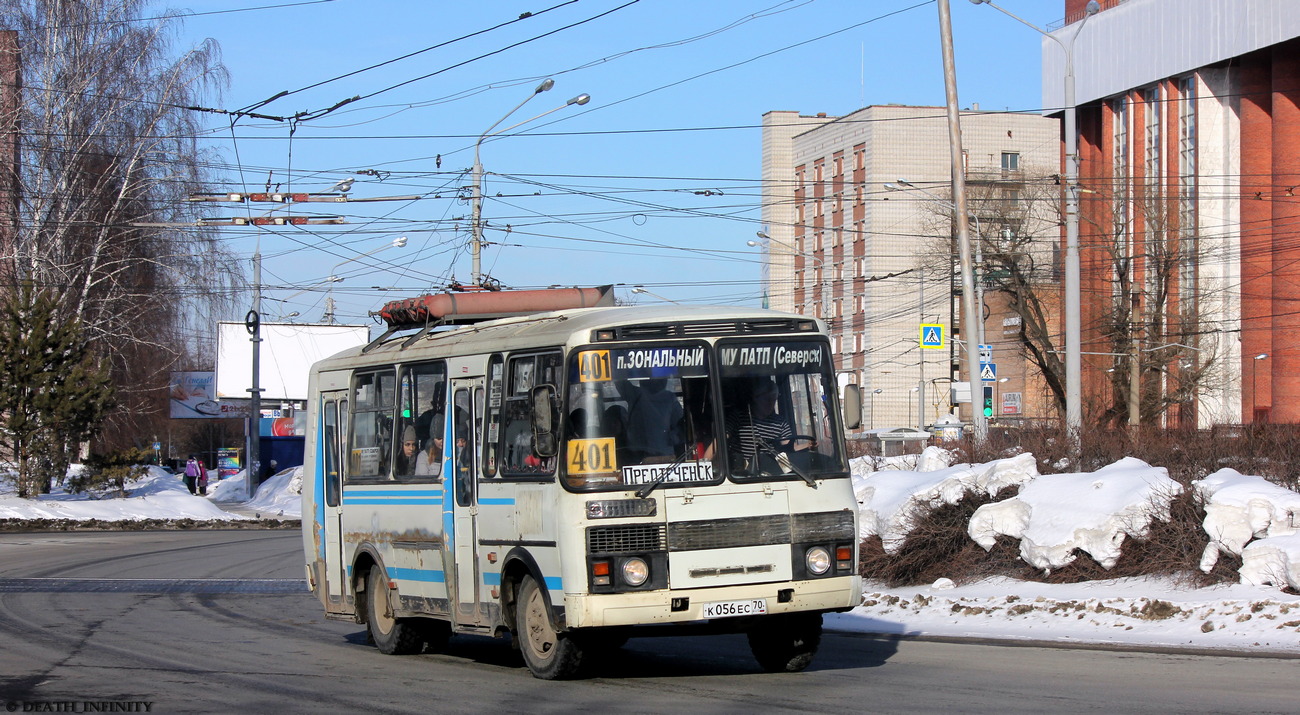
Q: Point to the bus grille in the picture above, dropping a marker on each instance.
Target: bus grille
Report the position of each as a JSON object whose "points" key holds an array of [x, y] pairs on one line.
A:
{"points": [[729, 533], [625, 539]]}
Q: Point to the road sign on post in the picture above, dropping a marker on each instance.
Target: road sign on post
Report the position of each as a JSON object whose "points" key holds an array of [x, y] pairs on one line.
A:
{"points": [[986, 353], [988, 372], [931, 336]]}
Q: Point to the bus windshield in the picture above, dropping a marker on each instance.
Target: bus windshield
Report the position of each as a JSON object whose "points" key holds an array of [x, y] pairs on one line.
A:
{"points": [[647, 415], [778, 401]]}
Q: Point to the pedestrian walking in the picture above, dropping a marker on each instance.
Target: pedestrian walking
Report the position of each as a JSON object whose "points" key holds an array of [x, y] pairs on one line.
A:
{"points": [[203, 479], [193, 468]]}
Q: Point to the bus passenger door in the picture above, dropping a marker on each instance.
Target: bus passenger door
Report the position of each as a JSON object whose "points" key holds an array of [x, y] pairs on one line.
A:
{"points": [[465, 470], [333, 409]]}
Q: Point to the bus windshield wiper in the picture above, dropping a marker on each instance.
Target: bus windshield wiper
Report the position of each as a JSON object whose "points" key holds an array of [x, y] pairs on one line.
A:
{"points": [[676, 464], [784, 462]]}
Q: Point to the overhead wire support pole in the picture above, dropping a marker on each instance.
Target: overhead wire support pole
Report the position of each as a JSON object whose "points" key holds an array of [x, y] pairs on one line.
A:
{"points": [[970, 325], [476, 197], [1073, 268]]}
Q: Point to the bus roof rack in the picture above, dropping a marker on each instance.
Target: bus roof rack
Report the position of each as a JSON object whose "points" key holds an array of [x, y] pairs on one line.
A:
{"points": [[475, 306]]}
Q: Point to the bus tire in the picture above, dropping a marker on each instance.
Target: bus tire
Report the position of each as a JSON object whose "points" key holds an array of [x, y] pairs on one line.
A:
{"points": [[786, 643], [550, 655], [392, 636]]}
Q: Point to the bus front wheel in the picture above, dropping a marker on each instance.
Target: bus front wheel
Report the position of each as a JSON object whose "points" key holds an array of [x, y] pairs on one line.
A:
{"points": [[391, 635], [787, 643], [550, 655]]}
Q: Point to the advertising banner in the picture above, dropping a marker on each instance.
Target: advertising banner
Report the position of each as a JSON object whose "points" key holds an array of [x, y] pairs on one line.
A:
{"points": [[192, 395], [228, 462]]}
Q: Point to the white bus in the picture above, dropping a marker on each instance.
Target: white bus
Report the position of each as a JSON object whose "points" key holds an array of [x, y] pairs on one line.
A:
{"points": [[574, 476]]}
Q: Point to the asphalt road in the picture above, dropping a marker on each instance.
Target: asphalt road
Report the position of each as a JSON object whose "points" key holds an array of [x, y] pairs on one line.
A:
{"points": [[213, 621]]}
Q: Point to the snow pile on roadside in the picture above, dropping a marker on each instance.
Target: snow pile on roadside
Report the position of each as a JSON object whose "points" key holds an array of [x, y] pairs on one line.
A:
{"points": [[889, 499], [155, 495], [1093, 512], [1120, 611], [280, 495], [231, 490], [1255, 519]]}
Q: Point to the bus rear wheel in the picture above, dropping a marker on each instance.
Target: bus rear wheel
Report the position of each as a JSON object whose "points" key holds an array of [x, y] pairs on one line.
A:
{"points": [[549, 654], [787, 643], [391, 635]]}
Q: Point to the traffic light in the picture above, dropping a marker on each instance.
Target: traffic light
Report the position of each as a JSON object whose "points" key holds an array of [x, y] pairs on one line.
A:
{"points": [[988, 400]]}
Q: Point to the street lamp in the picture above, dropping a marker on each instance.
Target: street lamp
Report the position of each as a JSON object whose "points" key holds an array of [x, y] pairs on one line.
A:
{"points": [[1254, 399], [641, 290], [476, 225], [335, 278], [874, 392], [821, 267], [1073, 324]]}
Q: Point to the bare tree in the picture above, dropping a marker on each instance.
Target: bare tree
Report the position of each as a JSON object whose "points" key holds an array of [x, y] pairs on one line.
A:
{"points": [[1148, 306], [107, 145]]}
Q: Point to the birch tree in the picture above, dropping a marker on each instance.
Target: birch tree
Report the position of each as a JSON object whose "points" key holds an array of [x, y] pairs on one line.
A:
{"points": [[107, 144]]}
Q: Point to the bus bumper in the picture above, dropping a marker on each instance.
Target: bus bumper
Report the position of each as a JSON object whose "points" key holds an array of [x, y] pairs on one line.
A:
{"points": [[657, 607]]}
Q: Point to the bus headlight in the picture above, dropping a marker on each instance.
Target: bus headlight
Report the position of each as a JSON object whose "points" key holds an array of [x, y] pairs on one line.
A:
{"points": [[818, 560], [635, 571]]}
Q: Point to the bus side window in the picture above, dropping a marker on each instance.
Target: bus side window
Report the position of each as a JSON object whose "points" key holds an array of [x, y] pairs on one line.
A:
{"points": [[372, 425], [492, 415], [519, 455], [330, 439]]}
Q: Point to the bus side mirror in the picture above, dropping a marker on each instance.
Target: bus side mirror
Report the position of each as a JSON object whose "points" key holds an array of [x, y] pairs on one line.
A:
{"points": [[544, 421], [852, 407]]}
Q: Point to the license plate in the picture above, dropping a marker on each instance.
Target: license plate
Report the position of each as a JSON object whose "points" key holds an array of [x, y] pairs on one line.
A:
{"points": [[727, 609]]}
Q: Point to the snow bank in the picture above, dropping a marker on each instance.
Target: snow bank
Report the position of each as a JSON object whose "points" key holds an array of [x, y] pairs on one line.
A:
{"points": [[890, 499], [1239, 508], [281, 495], [1093, 512], [154, 495]]}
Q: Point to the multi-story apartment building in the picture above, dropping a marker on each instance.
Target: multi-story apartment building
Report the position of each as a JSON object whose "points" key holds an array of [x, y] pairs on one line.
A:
{"points": [[858, 226], [1189, 137]]}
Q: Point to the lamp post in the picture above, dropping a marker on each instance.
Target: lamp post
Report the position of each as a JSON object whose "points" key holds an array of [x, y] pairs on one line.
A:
{"points": [[334, 278], [821, 267], [958, 170], [1254, 399], [642, 291], [1073, 319], [874, 392], [476, 221]]}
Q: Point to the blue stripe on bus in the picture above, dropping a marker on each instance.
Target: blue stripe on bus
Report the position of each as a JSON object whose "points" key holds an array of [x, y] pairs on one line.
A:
{"points": [[424, 575], [394, 502], [392, 493], [497, 502]]}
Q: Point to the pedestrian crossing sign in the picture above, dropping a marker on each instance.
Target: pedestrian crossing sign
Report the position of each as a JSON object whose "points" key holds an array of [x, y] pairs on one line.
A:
{"points": [[932, 336]]}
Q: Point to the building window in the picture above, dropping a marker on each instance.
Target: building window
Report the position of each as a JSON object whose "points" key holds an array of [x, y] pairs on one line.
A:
{"points": [[1151, 138], [1011, 161], [1120, 178], [1187, 233]]}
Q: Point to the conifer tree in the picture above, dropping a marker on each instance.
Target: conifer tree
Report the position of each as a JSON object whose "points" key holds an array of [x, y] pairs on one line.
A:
{"points": [[54, 393]]}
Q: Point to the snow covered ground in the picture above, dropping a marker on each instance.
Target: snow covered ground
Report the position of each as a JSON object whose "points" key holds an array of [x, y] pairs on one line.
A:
{"points": [[1052, 516]]}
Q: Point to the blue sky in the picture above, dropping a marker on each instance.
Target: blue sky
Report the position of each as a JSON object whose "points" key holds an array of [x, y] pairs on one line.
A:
{"points": [[654, 182]]}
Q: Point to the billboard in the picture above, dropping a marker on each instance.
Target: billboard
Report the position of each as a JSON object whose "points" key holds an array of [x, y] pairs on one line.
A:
{"points": [[192, 398], [288, 351]]}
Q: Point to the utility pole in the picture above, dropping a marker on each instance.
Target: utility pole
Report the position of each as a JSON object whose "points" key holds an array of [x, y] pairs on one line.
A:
{"points": [[972, 313], [253, 322]]}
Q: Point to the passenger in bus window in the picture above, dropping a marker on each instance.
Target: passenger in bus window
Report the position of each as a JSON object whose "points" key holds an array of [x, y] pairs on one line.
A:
{"points": [[424, 421], [429, 461], [756, 422], [406, 458], [654, 419]]}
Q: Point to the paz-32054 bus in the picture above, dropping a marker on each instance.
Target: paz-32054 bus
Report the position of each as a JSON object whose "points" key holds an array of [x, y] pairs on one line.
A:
{"points": [[543, 465]]}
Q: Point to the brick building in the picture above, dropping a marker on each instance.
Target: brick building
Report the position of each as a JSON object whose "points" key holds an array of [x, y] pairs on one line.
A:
{"points": [[1189, 138], [876, 262]]}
